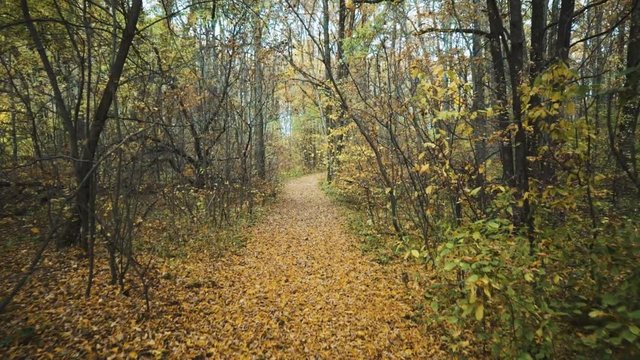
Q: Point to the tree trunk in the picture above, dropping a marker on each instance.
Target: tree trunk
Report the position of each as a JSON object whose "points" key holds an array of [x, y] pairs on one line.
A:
{"points": [[86, 172], [563, 40], [326, 57], [258, 102], [536, 54], [14, 138], [626, 152], [478, 104], [502, 115]]}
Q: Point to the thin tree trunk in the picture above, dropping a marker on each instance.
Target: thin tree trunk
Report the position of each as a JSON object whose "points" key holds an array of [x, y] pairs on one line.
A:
{"points": [[502, 115], [258, 101], [625, 148]]}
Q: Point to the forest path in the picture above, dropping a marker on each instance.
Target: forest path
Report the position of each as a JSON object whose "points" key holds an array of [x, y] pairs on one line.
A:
{"points": [[303, 289]]}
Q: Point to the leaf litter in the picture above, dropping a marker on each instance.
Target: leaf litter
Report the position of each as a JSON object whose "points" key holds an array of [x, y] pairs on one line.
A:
{"points": [[301, 288]]}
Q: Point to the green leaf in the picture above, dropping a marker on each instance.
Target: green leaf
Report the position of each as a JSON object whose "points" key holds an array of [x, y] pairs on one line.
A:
{"points": [[629, 336], [450, 265], [452, 319], [525, 356], [609, 299], [616, 340], [635, 315], [634, 329], [613, 325], [434, 306], [472, 279], [415, 253]]}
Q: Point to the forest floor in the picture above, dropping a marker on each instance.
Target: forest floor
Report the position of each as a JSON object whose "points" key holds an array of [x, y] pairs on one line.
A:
{"points": [[304, 289], [301, 288]]}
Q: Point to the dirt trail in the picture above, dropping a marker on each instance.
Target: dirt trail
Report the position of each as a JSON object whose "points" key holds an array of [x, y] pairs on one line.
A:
{"points": [[303, 289]]}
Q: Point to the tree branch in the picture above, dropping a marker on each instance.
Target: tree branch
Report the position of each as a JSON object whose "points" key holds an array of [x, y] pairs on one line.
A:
{"points": [[449, 31]]}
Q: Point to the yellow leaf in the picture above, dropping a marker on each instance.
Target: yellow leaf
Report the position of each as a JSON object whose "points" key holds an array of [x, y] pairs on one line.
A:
{"points": [[571, 108], [479, 312]]}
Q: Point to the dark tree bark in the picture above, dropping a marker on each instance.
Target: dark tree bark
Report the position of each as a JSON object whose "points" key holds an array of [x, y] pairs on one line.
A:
{"points": [[538, 24], [259, 102], [478, 105], [563, 40], [536, 54], [326, 57], [625, 147], [500, 85], [560, 56], [71, 233], [516, 66], [61, 106], [85, 164]]}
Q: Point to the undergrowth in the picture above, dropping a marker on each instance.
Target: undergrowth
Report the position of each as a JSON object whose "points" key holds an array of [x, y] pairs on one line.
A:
{"points": [[381, 248]]}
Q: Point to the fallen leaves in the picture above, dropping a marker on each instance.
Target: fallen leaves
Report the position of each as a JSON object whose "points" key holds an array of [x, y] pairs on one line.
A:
{"points": [[301, 288]]}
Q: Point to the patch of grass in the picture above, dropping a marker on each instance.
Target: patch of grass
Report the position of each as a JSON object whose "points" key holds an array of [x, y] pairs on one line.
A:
{"points": [[168, 249], [417, 314], [22, 336], [372, 243], [292, 173], [337, 195], [231, 239], [17, 238], [328, 189], [182, 236], [377, 246]]}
